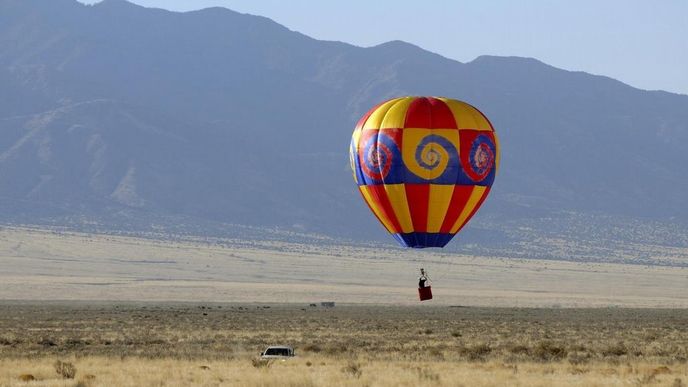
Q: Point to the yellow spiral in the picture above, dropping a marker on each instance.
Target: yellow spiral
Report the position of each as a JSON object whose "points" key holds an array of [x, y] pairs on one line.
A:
{"points": [[432, 161], [425, 154]]}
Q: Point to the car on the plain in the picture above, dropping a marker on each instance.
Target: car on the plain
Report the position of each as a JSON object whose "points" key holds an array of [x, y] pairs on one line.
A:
{"points": [[277, 352]]}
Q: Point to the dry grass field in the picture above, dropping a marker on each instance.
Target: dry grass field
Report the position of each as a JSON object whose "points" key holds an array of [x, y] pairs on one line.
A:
{"points": [[177, 344]]}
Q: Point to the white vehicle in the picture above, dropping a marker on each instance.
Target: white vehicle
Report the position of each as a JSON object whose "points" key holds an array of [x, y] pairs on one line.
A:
{"points": [[277, 352]]}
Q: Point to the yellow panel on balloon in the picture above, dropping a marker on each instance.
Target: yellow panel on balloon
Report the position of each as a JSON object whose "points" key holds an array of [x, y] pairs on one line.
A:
{"points": [[375, 119], [466, 116]]}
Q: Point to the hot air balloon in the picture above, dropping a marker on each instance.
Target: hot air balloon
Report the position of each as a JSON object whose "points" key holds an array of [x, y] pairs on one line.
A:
{"points": [[424, 165]]}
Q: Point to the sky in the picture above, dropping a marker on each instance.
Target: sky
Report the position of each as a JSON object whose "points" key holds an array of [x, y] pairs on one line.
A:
{"points": [[642, 43]]}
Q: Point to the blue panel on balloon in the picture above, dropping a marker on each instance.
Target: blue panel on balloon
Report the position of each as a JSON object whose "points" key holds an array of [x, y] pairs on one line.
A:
{"points": [[421, 240]]}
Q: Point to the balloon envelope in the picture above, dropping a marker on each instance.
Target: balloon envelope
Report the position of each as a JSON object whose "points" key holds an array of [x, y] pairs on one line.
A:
{"points": [[424, 165]]}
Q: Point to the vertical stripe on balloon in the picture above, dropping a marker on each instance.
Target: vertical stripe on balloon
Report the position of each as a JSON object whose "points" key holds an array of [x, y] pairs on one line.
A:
{"points": [[489, 123], [352, 161], [460, 196], [364, 190], [375, 119], [467, 210], [438, 203], [418, 114], [429, 113], [475, 208], [354, 139], [418, 196], [442, 117], [379, 199], [396, 115], [399, 202], [466, 116], [353, 156], [362, 121]]}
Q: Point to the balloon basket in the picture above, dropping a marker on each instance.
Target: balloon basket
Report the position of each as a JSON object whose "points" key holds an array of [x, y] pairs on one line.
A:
{"points": [[425, 293]]}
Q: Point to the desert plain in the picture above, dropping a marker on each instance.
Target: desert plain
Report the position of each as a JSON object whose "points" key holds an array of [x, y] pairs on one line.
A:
{"points": [[83, 309]]}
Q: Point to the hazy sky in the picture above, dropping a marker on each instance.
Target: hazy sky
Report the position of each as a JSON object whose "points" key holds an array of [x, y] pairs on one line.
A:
{"points": [[643, 43]]}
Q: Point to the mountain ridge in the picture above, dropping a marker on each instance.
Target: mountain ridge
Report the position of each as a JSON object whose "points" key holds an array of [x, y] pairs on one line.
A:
{"points": [[220, 117]]}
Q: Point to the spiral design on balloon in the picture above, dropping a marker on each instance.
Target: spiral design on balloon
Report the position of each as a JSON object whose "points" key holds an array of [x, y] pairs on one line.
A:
{"points": [[377, 156], [428, 157], [432, 156], [481, 158]]}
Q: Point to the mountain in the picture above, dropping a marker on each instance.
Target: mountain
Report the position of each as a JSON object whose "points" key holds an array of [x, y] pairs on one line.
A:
{"points": [[126, 117]]}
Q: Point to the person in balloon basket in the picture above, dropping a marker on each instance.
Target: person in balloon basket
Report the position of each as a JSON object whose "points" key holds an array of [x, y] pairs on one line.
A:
{"points": [[423, 280]]}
